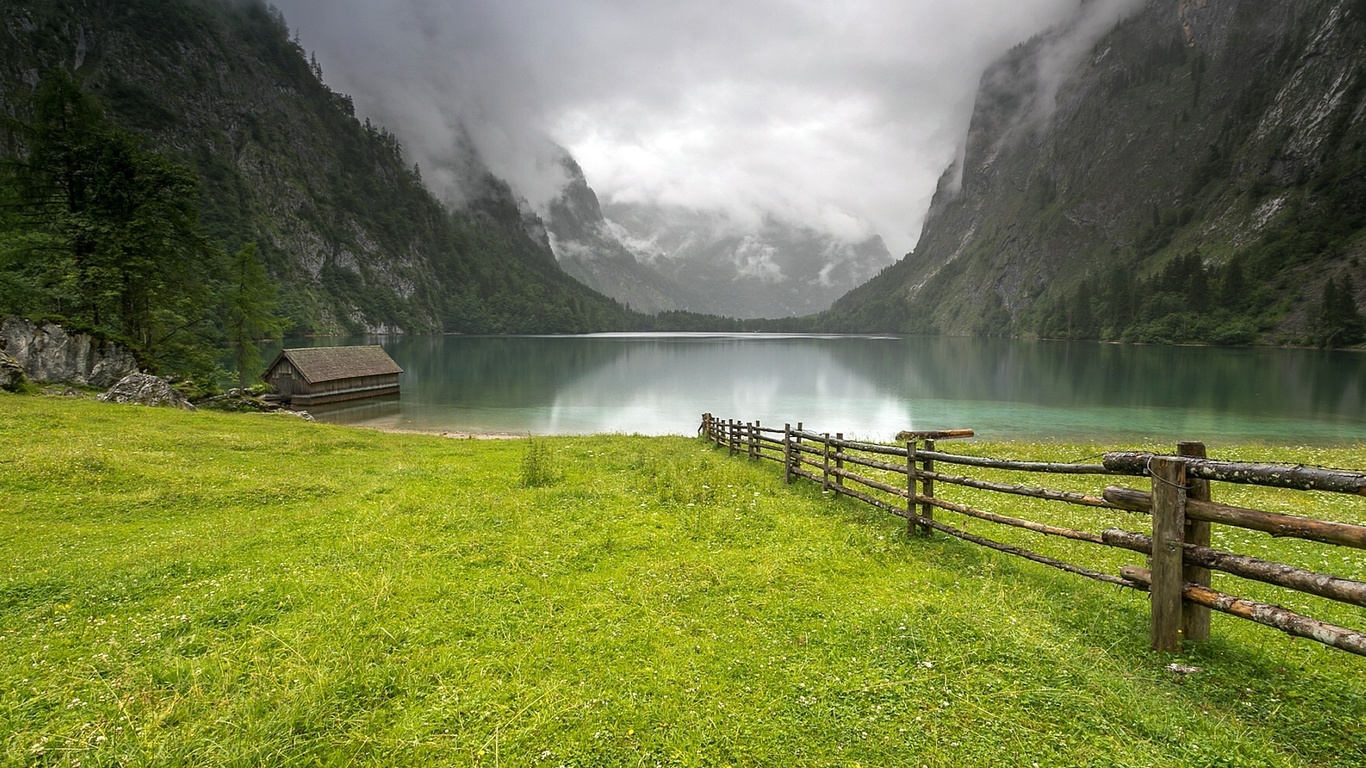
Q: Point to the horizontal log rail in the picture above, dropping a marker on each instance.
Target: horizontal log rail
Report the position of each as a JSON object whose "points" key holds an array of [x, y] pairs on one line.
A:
{"points": [[874, 463], [871, 483], [1269, 615], [976, 461], [1274, 523], [941, 434], [1297, 476], [1256, 569], [1025, 553], [1014, 522], [1081, 499], [1181, 513], [878, 448], [1021, 466], [991, 544]]}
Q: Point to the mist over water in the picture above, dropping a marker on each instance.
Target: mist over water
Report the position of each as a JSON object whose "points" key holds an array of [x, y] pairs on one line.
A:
{"points": [[867, 387]]}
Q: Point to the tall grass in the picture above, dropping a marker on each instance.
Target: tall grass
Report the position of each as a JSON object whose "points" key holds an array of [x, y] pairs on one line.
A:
{"points": [[242, 589]]}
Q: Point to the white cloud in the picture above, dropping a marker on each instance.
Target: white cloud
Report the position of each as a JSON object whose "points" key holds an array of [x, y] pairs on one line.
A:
{"points": [[837, 114]]}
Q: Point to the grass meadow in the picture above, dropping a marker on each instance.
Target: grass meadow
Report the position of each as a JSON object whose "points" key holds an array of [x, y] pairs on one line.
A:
{"points": [[212, 589]]}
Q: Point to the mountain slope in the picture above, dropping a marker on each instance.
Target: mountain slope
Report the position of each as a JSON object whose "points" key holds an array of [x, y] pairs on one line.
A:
{"points": [[1196, 173], [344, 224]]}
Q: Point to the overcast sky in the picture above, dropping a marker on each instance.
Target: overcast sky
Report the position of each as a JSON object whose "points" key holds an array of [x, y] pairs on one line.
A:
{"points": [[840, 114]]}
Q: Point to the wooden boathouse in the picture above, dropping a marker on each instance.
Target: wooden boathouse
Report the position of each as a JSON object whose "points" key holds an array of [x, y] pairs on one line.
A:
{"points": [[317, 375]]}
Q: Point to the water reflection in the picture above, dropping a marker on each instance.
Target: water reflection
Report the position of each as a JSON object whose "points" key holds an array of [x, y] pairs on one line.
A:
{"points": [[872, 387]]}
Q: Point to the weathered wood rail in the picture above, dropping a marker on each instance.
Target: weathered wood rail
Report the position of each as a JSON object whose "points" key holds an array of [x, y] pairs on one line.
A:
{"points": [[1181, 561]]}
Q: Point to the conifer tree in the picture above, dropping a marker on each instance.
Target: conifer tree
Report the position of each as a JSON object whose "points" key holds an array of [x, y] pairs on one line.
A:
{"points": [[251, 315]]}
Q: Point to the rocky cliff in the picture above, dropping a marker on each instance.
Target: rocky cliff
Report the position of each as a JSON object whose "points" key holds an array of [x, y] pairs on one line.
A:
{"points": [[1196, 171], [48, 353]]}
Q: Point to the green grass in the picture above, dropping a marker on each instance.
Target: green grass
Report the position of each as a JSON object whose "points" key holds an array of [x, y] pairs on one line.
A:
{"points": [[244, 589]]}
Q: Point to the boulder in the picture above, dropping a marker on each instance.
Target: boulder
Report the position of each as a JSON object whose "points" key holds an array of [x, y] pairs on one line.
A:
{"points": [[11, 373], [47, 354], [145, 389]]}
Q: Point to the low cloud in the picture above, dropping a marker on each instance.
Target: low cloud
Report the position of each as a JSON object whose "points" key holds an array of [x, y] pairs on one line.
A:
{"points": [[834, 114]]}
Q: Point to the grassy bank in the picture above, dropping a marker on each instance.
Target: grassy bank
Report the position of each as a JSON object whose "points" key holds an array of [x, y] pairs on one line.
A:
{"points": [[211, 589]]}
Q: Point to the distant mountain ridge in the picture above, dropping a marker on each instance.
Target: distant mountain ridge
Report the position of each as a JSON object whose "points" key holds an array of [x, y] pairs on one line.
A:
{"points": [[659, 258], [588, 247], [774, 269], [1197, 173]]}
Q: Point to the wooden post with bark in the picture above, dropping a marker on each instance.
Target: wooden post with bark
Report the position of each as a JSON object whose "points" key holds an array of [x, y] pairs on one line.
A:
{"points": [[927, 489], [1169, 522], [1195, 617], [839, 465], [911, 476], [787, 453], [825, 464]]}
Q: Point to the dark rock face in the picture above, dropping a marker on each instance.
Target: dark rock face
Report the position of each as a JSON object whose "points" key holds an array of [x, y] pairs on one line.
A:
{"points": [[47, 353], [145, 389]]}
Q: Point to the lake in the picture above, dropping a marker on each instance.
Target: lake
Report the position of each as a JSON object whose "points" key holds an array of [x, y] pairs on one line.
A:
{"points": [[865, 386]]}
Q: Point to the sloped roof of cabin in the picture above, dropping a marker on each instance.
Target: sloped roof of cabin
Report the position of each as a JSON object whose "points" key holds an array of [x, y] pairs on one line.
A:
{"points": [[318, 364]]}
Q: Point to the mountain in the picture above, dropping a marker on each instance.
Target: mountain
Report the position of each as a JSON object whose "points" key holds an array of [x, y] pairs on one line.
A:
{"points": [[1194, 172], [772, 269], [658, 258], [587, 247], [344, 224]]}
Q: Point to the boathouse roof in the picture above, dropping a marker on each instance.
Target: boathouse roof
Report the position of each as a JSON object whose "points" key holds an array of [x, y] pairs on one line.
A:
{"points": [[319, 364]]}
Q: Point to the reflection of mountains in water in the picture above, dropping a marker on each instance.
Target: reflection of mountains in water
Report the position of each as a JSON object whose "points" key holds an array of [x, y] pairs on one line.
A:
{"points": [[661, 384], [1061, 374], [499, 371]]}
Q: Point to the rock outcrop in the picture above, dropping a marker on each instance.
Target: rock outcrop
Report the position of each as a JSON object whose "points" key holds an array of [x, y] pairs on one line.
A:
{"points": [[145, 389], [48, 354], [11, 373]]}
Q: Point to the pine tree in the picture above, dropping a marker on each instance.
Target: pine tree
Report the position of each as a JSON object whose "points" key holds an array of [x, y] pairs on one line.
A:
{"points": [[1340, 322], [251, 315]]}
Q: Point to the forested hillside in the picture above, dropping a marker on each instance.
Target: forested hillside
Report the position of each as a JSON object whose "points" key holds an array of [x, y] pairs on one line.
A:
{"points": [[217, 94], [1197, 174]]}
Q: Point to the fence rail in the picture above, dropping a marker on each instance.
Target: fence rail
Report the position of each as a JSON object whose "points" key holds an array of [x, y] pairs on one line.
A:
{"points": [[1180, 559]]}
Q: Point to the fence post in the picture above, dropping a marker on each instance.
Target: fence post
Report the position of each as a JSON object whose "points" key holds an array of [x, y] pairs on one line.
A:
{"points": [[839, 464], [1169, 521], [1195, 618], [754, 440], [730, 435], [911, 475], [787, 453], [825, 464], [927, 489]]}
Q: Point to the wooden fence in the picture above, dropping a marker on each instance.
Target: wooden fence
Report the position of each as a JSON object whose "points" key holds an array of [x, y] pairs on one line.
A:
{"points": [[1178, 501]]}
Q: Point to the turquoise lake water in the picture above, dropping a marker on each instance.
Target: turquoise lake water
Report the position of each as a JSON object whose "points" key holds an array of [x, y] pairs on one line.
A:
{"points": [[866, 386]]}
